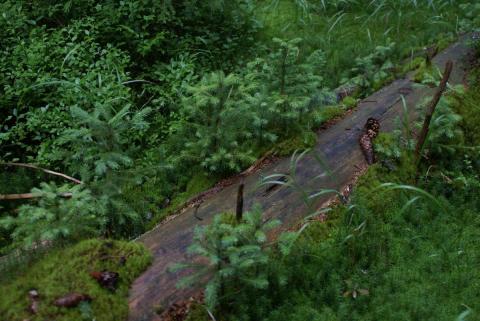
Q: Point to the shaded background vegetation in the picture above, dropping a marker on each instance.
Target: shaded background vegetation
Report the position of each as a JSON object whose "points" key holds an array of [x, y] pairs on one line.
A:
{"points": [[150, 102]]}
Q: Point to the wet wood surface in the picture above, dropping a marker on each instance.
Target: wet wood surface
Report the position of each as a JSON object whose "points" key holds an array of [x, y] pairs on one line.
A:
{"points": [[338, 146]]}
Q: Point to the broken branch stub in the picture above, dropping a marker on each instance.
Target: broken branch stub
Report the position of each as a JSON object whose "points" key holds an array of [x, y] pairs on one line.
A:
{"points": [[431, 109]]}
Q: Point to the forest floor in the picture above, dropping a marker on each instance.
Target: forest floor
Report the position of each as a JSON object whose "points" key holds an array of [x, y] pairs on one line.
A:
{"points": [[337, 146]]}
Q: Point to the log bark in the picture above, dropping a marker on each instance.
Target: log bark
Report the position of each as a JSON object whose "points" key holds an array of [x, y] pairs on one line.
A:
{"points": [[431, 109]]}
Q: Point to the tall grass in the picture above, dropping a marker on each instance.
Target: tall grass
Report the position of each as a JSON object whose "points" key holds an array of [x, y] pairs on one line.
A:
{"points": [[346, 29]]}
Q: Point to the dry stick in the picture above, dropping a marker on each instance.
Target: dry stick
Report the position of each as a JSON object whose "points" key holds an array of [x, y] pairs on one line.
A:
{"points": [[239, 212], [31, 195], [431, 109], [72, 179], [25, 196]]}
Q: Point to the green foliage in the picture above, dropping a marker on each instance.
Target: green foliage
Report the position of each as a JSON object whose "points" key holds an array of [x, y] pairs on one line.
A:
{"points": [[349, 102], [387, 147], [470, 18], [467, 105], [56, 216], [216, 119], [219, 82], [345, 30], [101, 141], [66, 270], [414, 64], [373, 71], [444, 133], [428, 74], [294, 85]]}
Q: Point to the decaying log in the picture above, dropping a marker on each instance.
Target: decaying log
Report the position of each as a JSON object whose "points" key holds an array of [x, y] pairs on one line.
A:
{"points": [[372, 128]]}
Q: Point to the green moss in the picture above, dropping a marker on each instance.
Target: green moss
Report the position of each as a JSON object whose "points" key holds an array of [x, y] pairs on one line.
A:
{"points": [[319, 231], [377, 85], [445, 40], [413, 64], [327, 113], [349, 102], [197, 184], [300, 142], [198, 313], [67, 270], [229, 218]]}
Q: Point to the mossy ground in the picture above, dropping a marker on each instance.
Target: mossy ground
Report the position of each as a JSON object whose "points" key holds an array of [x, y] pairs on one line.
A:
{"points": [[66, 270]]}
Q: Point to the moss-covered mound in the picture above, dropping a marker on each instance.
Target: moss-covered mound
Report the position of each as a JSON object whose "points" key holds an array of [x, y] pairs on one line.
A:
{"points": [[68, 270]]}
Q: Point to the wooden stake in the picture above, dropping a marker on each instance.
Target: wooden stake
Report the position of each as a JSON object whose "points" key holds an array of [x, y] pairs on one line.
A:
{"points": [[239, 212], [431, 109]]}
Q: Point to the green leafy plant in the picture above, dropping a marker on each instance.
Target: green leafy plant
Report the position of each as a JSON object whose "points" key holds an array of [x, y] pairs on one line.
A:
{"points": [[373, 71], [237, 256], [293, 84], [100, 143], [216, 119], [445, 132]]}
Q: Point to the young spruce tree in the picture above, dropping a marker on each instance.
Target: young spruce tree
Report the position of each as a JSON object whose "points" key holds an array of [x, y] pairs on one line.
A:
{"points": [[215, 126]]}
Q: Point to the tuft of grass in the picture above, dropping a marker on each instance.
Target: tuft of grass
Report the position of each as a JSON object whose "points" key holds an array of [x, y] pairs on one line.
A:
{"points": [[67, 270]]}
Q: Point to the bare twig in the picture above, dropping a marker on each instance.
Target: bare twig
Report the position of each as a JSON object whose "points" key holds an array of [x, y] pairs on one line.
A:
{"points": [[72, 179], [431, 109], [26, 196]]}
